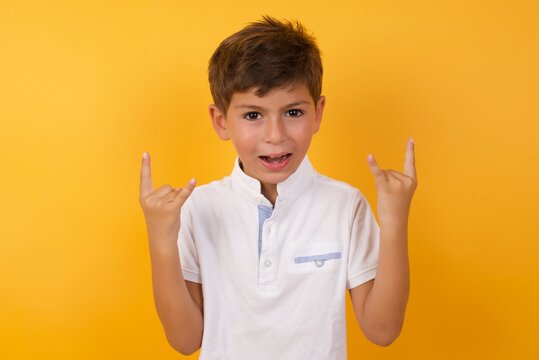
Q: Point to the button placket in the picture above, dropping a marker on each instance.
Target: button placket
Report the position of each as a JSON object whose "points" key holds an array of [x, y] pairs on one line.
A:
{"points": [[267, 269]]}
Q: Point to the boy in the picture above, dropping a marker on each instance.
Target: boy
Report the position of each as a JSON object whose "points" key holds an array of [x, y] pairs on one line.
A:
{"points": [[267, 253]]}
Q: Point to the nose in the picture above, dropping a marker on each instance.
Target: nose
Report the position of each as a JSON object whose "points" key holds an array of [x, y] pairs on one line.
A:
{"points": [[275, 131]]}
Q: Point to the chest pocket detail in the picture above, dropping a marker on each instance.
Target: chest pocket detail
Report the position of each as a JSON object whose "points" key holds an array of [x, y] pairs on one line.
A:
{"points": [[318, 260]]}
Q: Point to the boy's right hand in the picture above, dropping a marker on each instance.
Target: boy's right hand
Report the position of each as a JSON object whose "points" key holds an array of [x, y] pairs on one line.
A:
{"points": [[161, 207]]}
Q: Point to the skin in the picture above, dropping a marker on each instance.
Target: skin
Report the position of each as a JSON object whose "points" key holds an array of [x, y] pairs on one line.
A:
{"points": [[282, 121], [380, 304], [178, 302]]}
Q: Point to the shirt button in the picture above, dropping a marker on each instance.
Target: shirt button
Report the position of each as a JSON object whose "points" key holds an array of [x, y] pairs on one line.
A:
{"points": [[267, 263]]}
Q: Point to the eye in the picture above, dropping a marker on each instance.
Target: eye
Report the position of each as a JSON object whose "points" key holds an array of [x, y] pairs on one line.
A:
{"points": [[252, 115], [294, 112]]}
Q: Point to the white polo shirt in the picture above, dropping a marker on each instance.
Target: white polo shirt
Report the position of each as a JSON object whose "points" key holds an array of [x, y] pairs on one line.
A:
{"points": [[286, 299]]}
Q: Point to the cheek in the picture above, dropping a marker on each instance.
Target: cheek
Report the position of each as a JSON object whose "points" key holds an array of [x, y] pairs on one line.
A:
{"points": [[301, 132], [245, 138]]}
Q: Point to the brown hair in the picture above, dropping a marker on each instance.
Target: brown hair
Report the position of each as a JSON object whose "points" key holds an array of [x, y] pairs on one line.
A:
{"points": [[264, 55]]}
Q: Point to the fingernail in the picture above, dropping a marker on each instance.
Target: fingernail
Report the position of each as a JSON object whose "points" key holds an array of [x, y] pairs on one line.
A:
{"points": [[144, 155], [369, 157], [411, 140], [192, 181]]}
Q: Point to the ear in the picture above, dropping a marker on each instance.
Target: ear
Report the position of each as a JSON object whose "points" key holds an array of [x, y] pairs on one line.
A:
{"points": [[218, 121], [318, 113]]}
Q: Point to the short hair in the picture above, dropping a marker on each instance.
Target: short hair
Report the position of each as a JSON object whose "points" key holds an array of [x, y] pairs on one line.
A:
{"points": [[264, 55]]}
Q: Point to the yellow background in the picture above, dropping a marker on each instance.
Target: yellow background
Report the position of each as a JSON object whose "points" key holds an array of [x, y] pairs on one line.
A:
{"points": [[86, 87]]}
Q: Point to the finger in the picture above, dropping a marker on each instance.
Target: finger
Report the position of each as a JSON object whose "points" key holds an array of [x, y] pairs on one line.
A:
{"points": [[145, 176], [185, 192], [409, 159], [168, 197], [375, 169], [162, 191], [404, 180], [393, 175]]}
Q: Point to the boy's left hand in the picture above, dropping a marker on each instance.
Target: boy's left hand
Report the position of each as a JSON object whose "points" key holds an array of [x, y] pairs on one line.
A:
{"points": [[395, 189]]}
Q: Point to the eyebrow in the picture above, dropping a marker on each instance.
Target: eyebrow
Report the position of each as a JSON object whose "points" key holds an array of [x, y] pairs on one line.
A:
{"points": [[256, 107]]}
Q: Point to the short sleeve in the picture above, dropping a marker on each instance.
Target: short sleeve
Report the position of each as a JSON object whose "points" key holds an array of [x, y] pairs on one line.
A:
{"points": [[187, 246], [364, 244]]}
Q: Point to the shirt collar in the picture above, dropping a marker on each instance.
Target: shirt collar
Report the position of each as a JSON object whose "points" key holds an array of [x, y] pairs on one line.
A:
{"points": [[287, 190]]}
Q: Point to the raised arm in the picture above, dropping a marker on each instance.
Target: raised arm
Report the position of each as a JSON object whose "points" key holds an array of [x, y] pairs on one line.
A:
{"points": [[380, 304], [178, 302]]}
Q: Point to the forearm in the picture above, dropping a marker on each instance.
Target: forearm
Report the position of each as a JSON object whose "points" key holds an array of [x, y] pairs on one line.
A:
{"points": [[180, 316], [385, 304]]}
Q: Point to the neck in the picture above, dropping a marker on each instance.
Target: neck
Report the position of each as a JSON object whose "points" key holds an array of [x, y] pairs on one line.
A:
{"points": [[270, 192]]}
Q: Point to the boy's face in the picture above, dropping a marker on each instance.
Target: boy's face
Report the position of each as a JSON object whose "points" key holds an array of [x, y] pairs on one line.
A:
{"points": [[271, 133]]}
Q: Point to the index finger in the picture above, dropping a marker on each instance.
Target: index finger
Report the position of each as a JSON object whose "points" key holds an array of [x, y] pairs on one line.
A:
{"points": [[145, 176], [409, 160]]}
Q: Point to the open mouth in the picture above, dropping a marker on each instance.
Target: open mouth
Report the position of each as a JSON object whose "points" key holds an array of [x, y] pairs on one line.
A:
{"points": [[277, 159]]}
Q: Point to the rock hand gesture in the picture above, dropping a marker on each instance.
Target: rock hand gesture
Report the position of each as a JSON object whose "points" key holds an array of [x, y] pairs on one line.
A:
{"points": [[161, 207], [395, 189]]}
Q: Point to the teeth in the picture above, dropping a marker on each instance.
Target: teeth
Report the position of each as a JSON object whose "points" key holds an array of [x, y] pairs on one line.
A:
{"points": [[277, 159]]}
